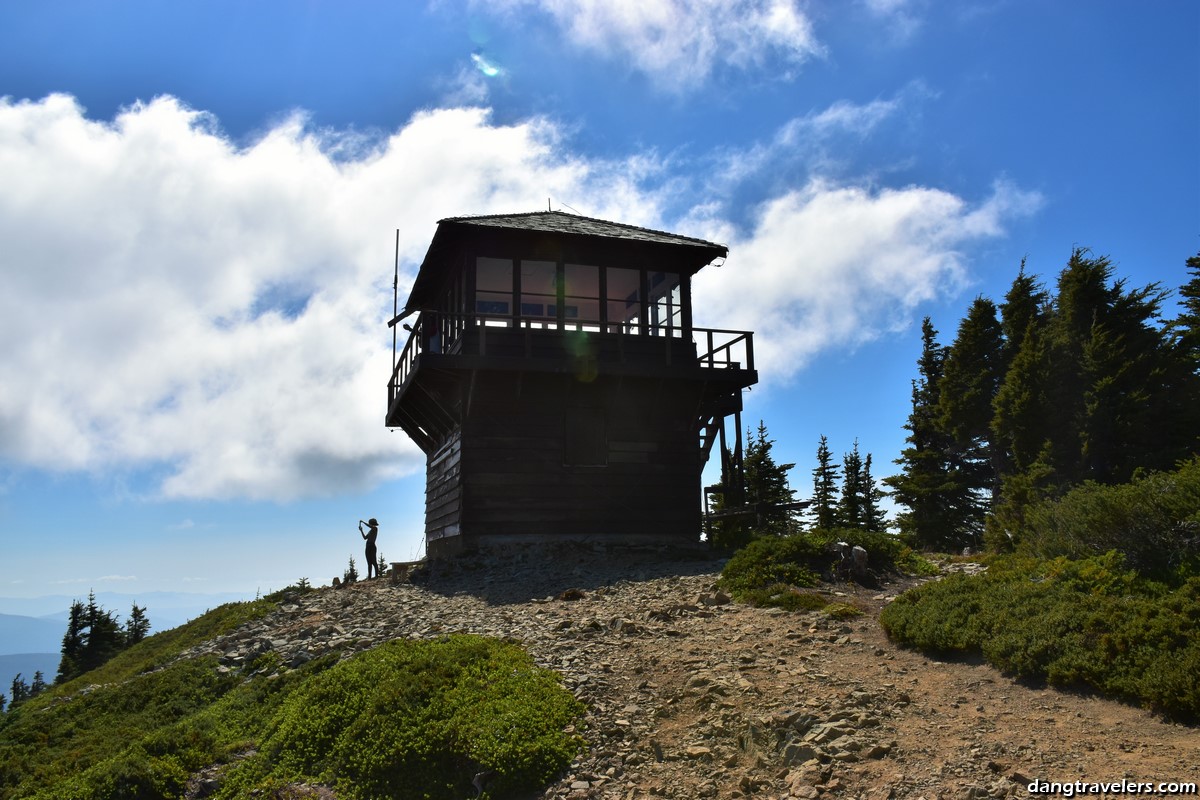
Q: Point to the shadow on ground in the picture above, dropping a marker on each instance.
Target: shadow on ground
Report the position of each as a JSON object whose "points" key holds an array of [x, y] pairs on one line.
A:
{"points": [[534, 573]]}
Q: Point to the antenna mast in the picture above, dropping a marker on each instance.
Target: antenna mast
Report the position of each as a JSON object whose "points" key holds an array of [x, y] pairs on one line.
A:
{"points": [[395, 297]]}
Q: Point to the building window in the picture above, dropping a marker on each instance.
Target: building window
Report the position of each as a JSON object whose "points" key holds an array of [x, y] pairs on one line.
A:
{"points": [[585, 440], [539, 293], [624, 301], [666, 307], [493, 286], [581, 296]]}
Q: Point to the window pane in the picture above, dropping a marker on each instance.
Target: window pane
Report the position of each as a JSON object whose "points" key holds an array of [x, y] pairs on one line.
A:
{"points": [[493, 286], [624, 299], [581, 293], [493, 274], [666, 315], [539, 294]]}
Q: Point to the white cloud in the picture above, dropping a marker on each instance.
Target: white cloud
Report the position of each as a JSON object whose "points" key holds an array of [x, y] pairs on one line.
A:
{"points": [[175, 301], [118, 578], [903, 17], [680, 43], [830, 266], [214, 313]]}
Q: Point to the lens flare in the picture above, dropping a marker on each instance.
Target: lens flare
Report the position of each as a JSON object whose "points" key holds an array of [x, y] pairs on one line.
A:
{"points": [[486, 66]]}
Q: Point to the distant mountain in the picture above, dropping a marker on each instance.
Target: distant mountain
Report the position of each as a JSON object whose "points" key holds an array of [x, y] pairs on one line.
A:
{"points": [[25, 664], [165, 609], [30, 635]]}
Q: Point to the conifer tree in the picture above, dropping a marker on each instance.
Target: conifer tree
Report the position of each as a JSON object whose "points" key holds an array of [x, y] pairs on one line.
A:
{"points": [[767, 484], [1024, 303], [823, 511], [926, 484], [39, 684], [1186, 326], [137, 626], [72, 645], [873, 516], [19, 690], [1112, 362], [103, 639], [3, 702], [971, 377], [1184, 382], [850, 508]]}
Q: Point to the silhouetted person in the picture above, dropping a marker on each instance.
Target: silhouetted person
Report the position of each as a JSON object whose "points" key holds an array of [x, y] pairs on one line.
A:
{"points": [[370, 534]]}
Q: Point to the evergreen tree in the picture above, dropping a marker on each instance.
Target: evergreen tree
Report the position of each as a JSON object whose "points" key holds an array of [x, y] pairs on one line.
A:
{"points": [[850, 508], [873, 516], [1025, 303], [3, 702], [19, 690], [103, 639], [767, 485], [1184, 382], [351, 573], [971, 377], [39, 684], [137, 626], [72, 645], [823, 511], [1186, 326], [926, 484], [1112, 363]]}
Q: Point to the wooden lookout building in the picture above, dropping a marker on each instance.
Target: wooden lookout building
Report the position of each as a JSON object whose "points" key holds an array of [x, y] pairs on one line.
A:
{"points": [[555, 382]]}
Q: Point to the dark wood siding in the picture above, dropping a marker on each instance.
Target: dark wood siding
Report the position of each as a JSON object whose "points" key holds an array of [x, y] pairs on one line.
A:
{"points": [[443, 491], [516, 459]]}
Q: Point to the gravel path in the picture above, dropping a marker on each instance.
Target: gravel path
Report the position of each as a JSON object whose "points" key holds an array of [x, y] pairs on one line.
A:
{"points": [[691, 696]]}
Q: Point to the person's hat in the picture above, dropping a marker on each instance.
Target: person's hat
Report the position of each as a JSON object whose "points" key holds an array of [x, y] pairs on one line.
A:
{"points": [[372, 522]]}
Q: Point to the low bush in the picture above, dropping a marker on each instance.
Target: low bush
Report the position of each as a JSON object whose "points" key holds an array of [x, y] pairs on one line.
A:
{"points": [[771, 570], [408, 719], [1086, 623], [420, 720], [1154, 521]]}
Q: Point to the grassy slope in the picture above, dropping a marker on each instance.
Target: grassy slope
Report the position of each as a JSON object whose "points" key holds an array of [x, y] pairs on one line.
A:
{"points": [[139, 726]]}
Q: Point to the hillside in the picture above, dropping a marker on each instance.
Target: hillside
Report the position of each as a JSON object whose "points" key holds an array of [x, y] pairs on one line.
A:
{"points": [[689, 695]]}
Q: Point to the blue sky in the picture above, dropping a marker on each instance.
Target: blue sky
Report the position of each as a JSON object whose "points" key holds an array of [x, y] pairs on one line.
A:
{"points": [[198, 203]]}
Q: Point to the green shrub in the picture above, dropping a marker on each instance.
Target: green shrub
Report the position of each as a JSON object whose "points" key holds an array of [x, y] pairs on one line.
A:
{"points": [[885, 553], [773, 562], [770, 570], [1074, 623], [420, 720], [1154, 521]]}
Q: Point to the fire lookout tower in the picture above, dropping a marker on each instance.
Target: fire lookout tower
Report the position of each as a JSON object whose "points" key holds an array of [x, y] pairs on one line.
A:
{"points": [[556, 384]]}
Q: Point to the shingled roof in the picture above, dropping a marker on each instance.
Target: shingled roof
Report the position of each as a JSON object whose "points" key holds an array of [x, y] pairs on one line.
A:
{"points": [[562, 222]]}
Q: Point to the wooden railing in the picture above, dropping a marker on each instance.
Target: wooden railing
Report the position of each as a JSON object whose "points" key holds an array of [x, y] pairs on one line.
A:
{"points": [[443, 333]]}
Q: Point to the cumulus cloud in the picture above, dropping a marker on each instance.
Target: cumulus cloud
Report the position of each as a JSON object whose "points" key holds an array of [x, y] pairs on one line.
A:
{"points": [[830, 266], [211, 313], [680, 43], [214, 312]]}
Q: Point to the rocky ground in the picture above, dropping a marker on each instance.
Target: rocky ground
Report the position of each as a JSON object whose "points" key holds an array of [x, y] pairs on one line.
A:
{"points": [[692, 696]]}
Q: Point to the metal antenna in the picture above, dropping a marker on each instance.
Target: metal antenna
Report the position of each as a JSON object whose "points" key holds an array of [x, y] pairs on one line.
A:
{"points": [[395, 297]]}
